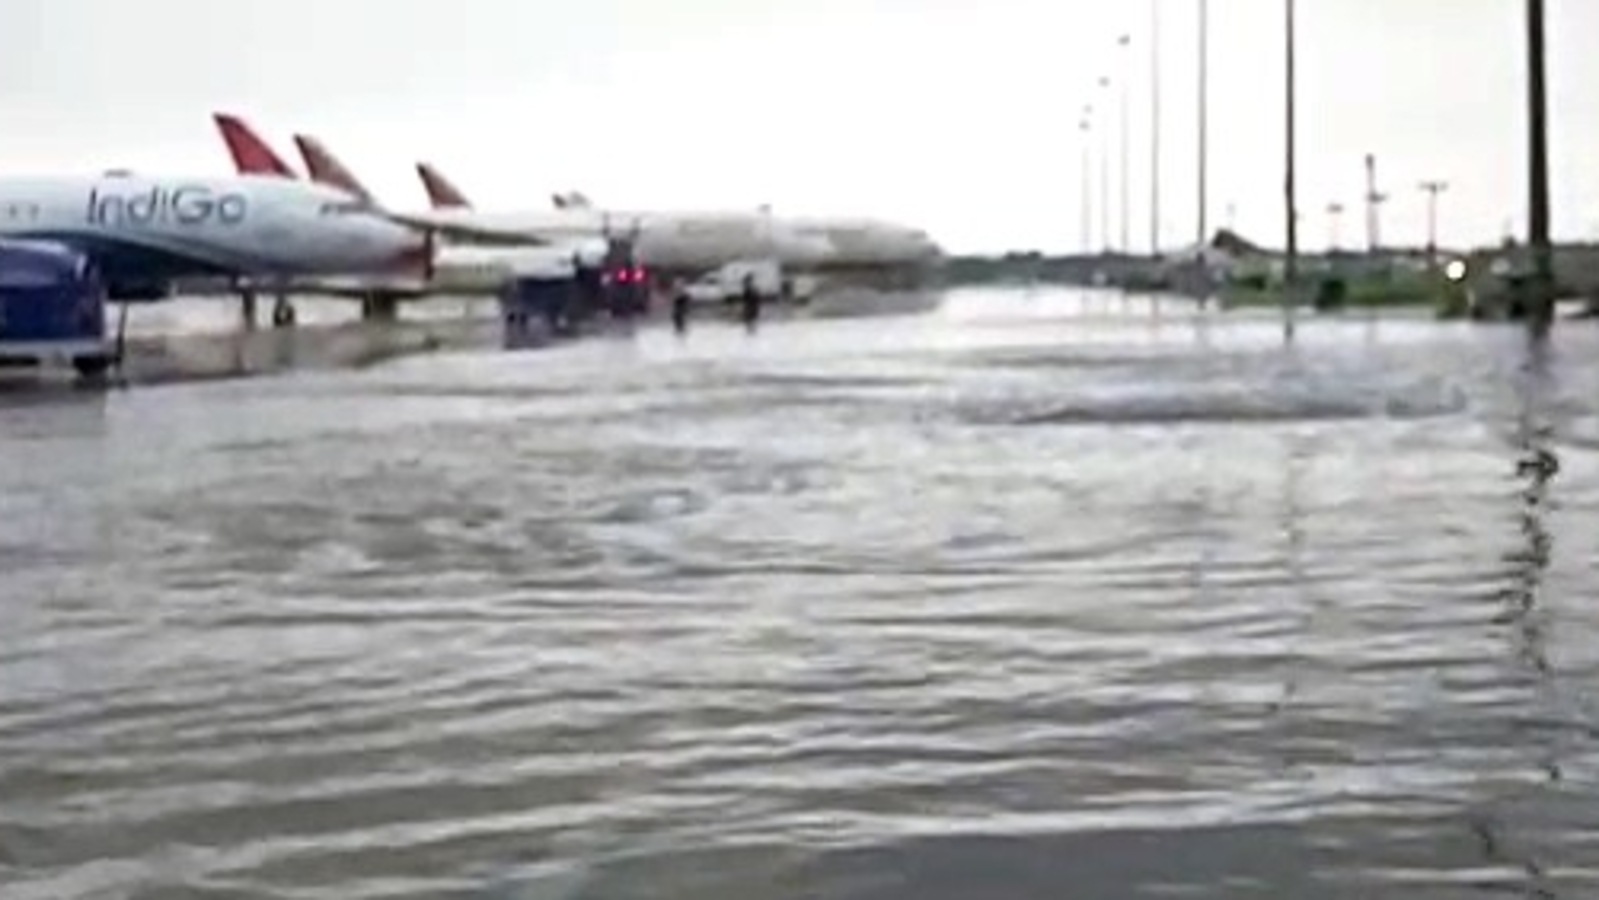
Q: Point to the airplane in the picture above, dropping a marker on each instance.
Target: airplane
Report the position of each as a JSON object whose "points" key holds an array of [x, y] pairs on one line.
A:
{"points": [[865, 243], [145, 232], [456, 268], [571, 200], [856, 242], [859, 250], [677, 243], [687, 243], [253, 156]]}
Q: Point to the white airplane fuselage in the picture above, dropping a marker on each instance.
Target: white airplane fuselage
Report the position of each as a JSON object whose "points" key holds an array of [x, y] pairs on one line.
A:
{"points": [[867, 243], [145, 231], [674, 241], [841, 242], [466, 269]]}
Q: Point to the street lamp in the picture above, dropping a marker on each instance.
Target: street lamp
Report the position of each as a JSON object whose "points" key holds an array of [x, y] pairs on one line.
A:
{"points": [[1085, 128], [1125, 43], [1154, 128], [1538, 174], [1291, 262], [1204, 114], [1104, 176], [1432, 189]]}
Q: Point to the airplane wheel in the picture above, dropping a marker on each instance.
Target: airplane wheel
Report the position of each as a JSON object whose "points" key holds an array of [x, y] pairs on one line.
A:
{"points": [[91, 367]]}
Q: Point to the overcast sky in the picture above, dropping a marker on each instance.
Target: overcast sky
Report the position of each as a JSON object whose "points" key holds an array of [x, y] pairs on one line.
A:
{"points": [[958, 115]]}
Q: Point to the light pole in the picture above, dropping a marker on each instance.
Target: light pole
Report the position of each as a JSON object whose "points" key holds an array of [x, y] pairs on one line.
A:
{"points": [[1125, 43], [1104, 176], [1374, 201], [1154, 128], [1204, 113], [1291, 262], [1542, 283], [1085, 128], [1432, 189]]}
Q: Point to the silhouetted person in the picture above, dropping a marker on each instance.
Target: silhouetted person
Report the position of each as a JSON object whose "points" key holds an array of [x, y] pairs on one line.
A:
{"points": [[680, 301], [751, 303]]}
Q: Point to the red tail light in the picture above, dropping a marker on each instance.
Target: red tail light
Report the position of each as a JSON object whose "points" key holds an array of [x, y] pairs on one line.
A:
{"points": [[625, 276]]}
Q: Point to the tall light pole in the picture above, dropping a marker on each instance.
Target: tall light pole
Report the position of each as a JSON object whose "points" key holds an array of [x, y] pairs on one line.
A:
{"points": [[1432, 189], [1291, 262], [1125, 43], [1154, 128], [1204, 114], [1374, 201], [1104, 173], [1542, 283], [1085, 129]]}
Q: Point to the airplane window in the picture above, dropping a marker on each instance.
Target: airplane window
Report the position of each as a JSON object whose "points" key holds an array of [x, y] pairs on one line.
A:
{"points": [[343, 209]]}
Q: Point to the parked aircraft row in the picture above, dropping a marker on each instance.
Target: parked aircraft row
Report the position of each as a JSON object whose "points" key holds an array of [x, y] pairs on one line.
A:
{"points": [[687, 240], [268, 225]]}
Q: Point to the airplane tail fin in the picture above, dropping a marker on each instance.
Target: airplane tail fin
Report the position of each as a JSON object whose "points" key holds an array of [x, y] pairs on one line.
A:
{"points": [[441, 193], [325, 168], [251, 155], [571, 200]]}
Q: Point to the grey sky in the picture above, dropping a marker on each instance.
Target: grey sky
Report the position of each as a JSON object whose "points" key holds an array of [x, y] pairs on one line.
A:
{"points": [[960, 115]]}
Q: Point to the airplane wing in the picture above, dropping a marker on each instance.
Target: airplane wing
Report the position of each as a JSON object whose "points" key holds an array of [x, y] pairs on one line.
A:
{"points": [[451, 227]]}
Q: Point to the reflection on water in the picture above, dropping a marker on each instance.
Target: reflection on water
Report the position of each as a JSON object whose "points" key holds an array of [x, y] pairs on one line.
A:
{"points": [[1535, 467], [1038, 596]]}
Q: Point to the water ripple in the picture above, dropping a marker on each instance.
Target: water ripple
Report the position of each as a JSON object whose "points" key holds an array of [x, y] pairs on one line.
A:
{"points": [[842, 611]]}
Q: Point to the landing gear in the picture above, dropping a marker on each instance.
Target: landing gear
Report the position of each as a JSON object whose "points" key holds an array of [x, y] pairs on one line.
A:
{"points": [[283, 313], [92, 368], [247, 308], [380, 307]]}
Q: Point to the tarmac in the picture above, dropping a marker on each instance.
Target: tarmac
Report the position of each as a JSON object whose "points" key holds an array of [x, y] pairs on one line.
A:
{"points": [[199, 338], [203, 338]]}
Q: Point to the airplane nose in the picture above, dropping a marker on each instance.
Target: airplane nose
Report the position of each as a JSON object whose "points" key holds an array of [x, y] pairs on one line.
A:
{"points": [[924, 247]]}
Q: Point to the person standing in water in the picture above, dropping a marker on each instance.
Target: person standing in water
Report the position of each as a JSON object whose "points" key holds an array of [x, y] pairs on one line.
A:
{"points": [[680, 301], [751, 302]]}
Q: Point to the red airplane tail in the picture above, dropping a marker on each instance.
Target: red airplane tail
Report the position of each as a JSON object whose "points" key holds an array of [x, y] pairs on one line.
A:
{"points": [[251, 155], [441, 193], [325, 168]]}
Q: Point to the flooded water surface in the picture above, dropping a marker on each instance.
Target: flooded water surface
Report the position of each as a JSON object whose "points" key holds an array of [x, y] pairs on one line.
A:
{"points": [[1035, 596]]}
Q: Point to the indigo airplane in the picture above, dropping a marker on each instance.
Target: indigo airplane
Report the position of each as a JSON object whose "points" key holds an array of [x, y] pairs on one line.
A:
{"points": [[145, 232]]}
